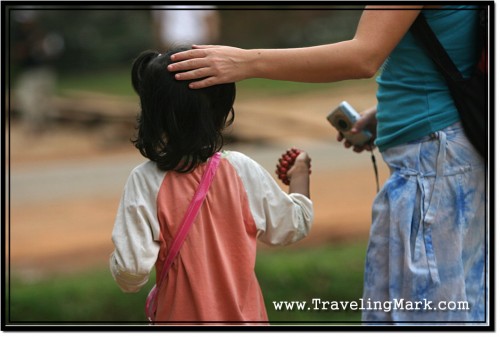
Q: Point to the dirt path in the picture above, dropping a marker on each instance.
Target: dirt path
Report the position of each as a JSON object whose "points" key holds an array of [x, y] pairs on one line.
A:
{"points": [[65, 185]]}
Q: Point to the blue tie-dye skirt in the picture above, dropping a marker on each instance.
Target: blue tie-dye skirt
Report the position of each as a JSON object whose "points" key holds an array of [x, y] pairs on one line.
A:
{"points": [[427, 253]]}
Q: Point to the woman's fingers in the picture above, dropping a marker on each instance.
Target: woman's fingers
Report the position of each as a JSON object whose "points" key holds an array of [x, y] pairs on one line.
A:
{"points": [[196, 52]]}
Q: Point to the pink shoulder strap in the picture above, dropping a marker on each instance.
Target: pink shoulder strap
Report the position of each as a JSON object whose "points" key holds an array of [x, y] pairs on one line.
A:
{"points": [[180, 236]]}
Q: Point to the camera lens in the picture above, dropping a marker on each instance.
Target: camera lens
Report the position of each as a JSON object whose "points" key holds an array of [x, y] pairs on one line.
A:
{"points": [[343, 125]]}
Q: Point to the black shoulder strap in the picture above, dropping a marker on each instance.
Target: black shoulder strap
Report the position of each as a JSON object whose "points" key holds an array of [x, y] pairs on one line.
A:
{"points": [[424, 34]]}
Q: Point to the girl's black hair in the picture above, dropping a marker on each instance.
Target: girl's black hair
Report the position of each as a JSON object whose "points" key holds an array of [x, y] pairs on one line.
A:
{"points": [[178, 127]]}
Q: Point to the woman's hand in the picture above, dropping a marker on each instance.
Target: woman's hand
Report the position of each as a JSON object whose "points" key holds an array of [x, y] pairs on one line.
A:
{"points": [[211, 64], [368, 121]]}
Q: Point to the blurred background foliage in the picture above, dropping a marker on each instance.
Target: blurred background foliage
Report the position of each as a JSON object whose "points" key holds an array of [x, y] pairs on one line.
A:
{"points": [[96, 39]]}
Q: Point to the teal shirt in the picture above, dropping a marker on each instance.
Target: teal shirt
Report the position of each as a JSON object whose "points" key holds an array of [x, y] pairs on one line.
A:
{"points": [[413, 99]]}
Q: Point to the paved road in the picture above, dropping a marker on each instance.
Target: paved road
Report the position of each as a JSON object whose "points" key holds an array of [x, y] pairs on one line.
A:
{"points": [[107, 176]]}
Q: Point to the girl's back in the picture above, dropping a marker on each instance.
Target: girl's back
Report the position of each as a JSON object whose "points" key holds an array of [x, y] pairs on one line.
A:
{"points": [[212, 279]]}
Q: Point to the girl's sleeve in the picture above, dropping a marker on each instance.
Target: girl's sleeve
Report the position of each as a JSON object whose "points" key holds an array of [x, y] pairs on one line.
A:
{"points": [[136, 230], [280, 218]]}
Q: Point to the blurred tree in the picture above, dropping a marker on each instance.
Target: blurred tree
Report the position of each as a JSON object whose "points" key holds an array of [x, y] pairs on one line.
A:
{"points": [[288, 27], [111, 37], [101, 38], [95, 39]]}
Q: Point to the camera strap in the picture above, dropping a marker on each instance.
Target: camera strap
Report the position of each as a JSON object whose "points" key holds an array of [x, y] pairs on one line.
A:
{"points": [[375, 169]]}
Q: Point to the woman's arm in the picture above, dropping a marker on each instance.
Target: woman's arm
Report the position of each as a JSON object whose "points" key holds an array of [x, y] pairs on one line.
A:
{"points": [[378, 32]]}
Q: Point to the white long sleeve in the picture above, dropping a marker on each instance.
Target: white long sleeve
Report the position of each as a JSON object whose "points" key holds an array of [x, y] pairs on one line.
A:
{"points": [[136, 231], [280, 218]]}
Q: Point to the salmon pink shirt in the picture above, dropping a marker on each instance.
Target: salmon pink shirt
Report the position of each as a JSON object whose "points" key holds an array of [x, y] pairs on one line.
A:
{"points": [[213, 278]]}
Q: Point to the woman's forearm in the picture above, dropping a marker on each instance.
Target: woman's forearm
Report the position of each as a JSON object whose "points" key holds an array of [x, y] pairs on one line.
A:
{"points": [[318, 64], [325, 63], [378, 32]]}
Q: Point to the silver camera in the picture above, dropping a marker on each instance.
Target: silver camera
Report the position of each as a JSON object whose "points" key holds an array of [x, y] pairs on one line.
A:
{"points": [[343, 119]]}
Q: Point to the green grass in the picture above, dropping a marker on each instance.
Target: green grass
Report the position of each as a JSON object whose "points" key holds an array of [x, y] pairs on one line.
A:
{"points": [[328, 273], [264, 87], [117, 82], [332, 273], [112, 82], [88, 297]]}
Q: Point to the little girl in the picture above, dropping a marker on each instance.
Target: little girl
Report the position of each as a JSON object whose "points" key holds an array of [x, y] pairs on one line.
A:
{"points": [[212, 278]]}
